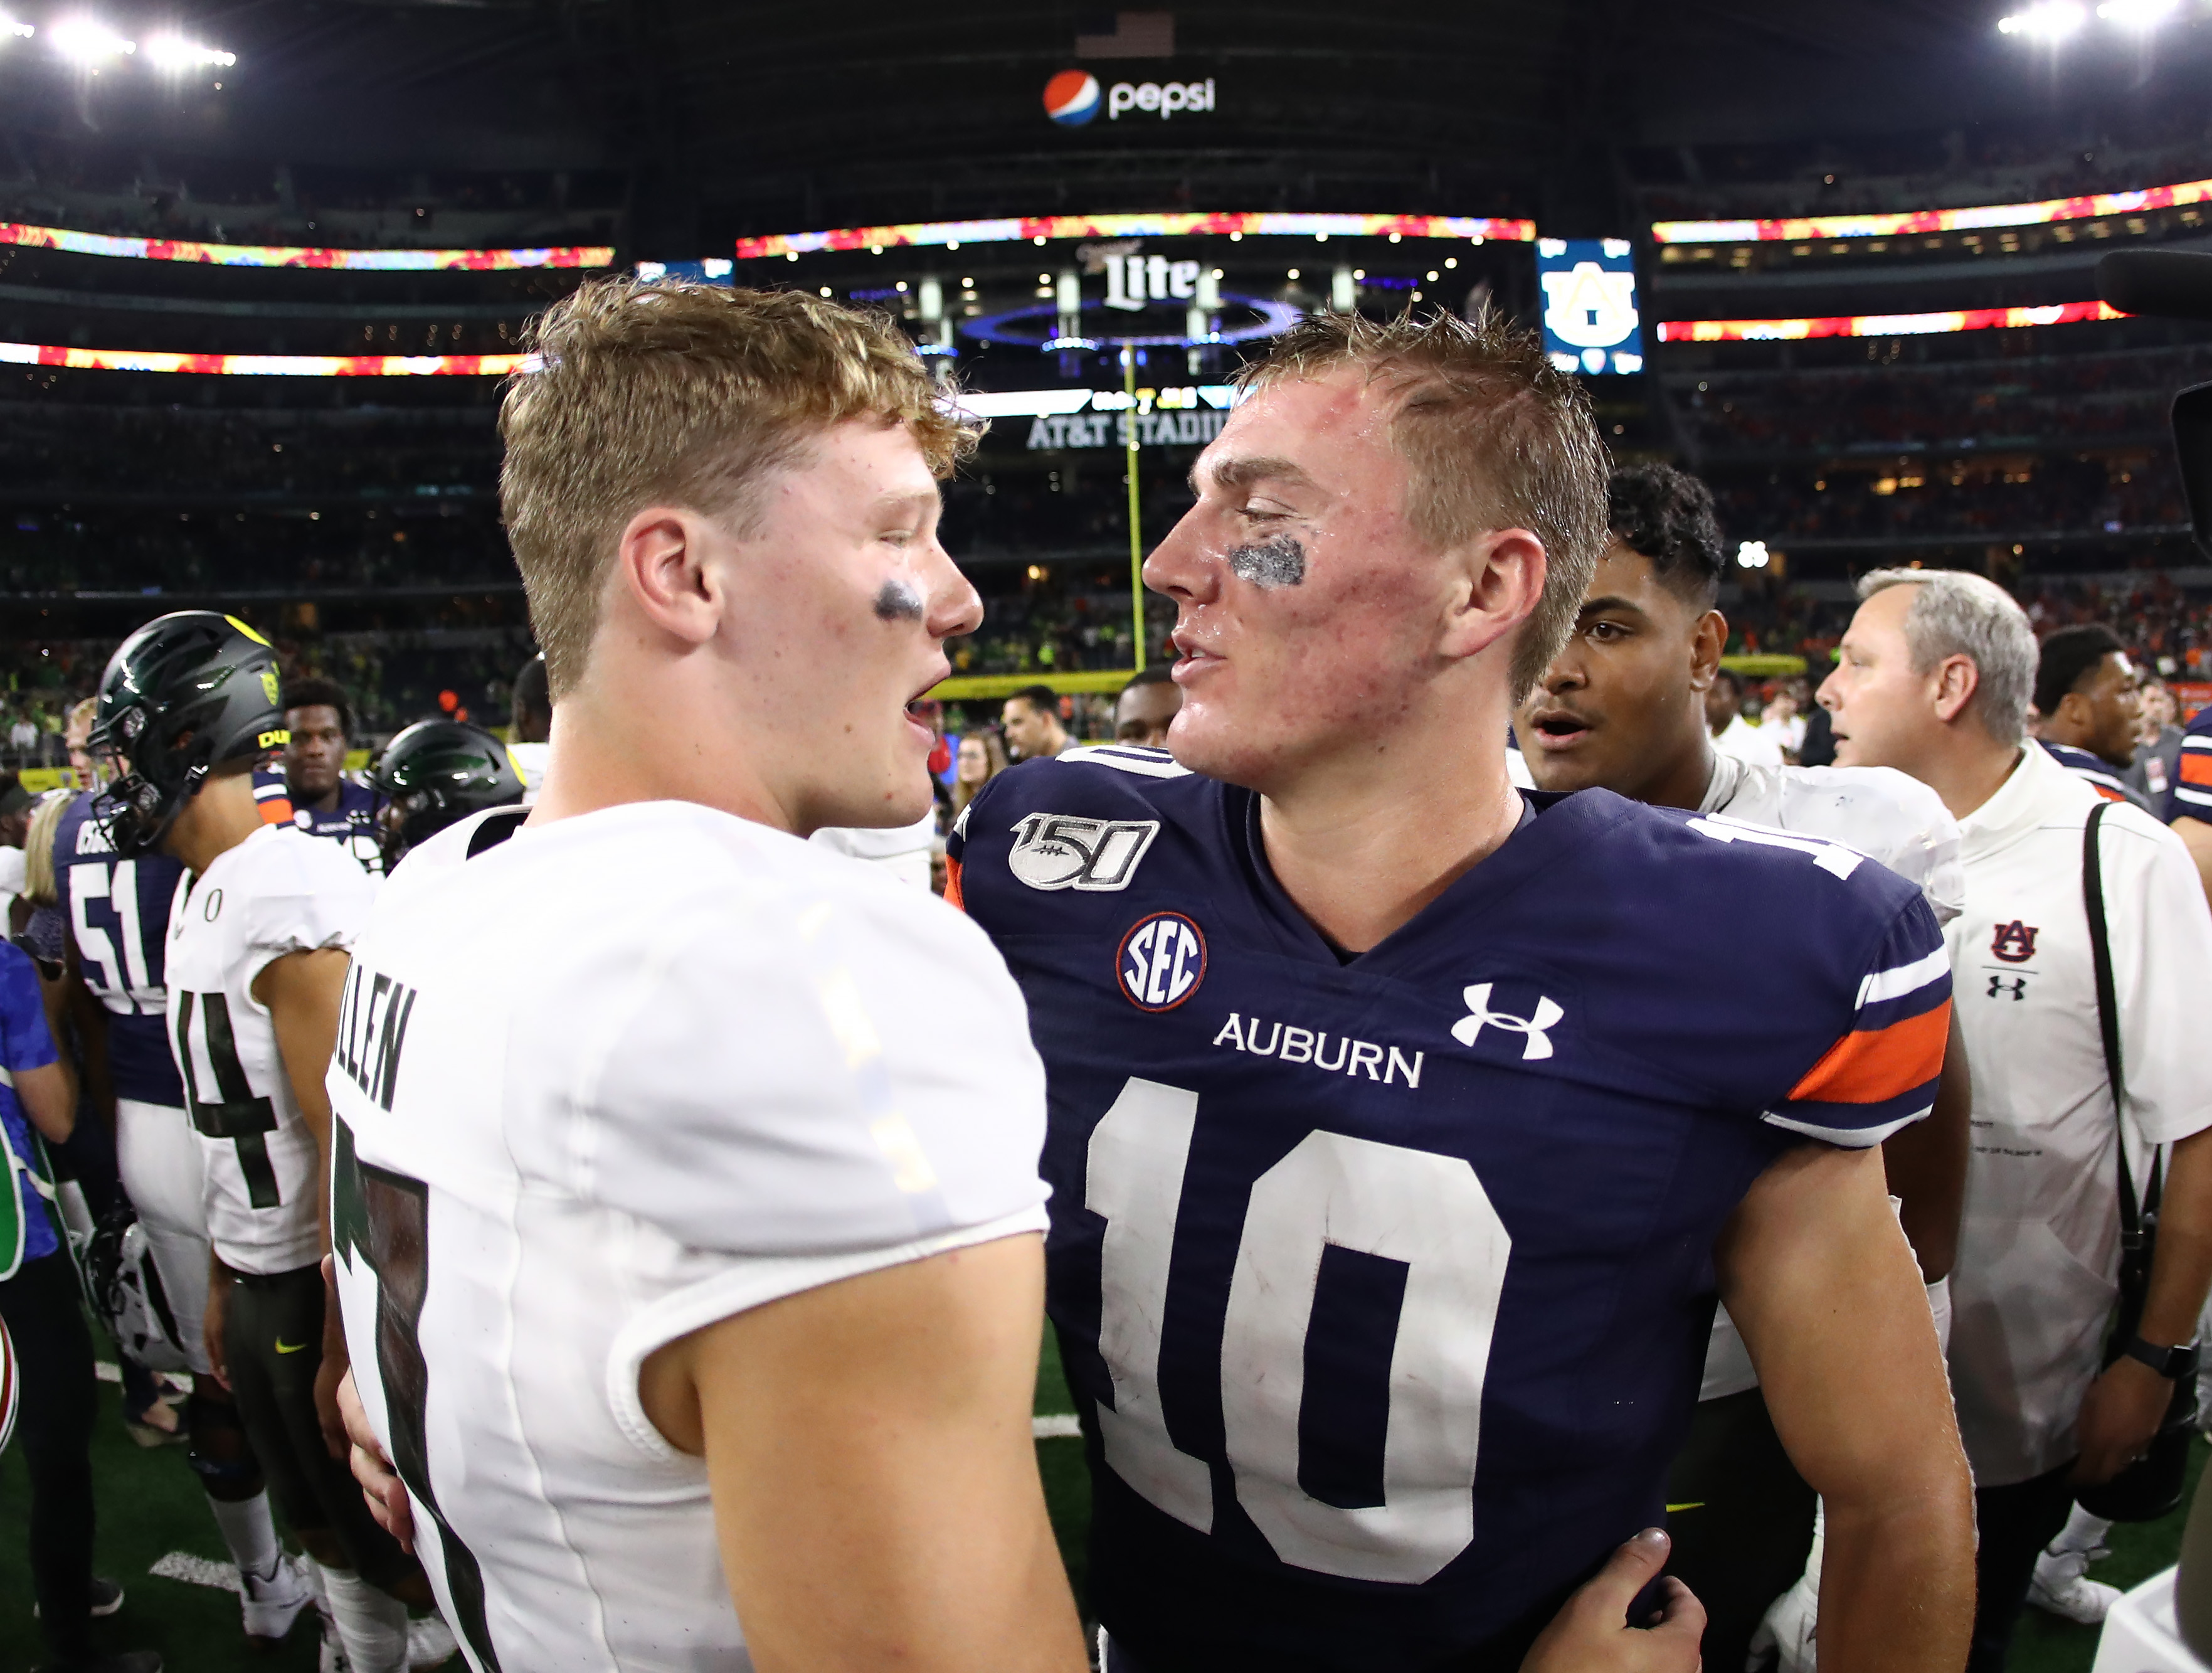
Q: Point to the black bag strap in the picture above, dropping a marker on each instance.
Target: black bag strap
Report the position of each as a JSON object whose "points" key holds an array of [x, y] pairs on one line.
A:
{"points": [[2108, 1024]]}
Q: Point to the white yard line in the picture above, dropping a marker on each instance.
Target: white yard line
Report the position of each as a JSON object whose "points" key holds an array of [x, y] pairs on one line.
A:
{"points": [[1061, 1426], [197, 1572]]}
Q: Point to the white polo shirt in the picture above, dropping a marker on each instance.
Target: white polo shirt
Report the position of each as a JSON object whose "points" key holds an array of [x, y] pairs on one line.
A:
{"points": [[2038, 1249]]}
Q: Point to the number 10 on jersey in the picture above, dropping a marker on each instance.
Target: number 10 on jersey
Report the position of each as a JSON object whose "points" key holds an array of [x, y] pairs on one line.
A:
{"points": [[1415, 1207]]}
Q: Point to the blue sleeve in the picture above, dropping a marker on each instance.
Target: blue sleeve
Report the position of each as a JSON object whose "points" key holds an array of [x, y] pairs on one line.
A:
{"points": [[2190, 794], [25, 1043], [1881, 1074]]}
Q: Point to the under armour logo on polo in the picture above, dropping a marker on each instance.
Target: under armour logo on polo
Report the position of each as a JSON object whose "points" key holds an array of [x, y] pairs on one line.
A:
{"points": [[1538, 1041]]}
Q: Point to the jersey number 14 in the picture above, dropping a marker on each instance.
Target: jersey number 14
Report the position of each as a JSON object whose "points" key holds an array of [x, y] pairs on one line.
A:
{"points": [[1427, 1211]]}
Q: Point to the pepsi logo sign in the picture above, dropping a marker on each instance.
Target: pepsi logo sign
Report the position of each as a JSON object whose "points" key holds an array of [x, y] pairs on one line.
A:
{"points": [[1161, 961], [1072, 98], [1162, 98]]}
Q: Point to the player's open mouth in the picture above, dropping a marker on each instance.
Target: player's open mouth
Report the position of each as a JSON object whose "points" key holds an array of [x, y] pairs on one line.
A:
{"points": [[1193, 659], [914, 708], [1558, 729]]}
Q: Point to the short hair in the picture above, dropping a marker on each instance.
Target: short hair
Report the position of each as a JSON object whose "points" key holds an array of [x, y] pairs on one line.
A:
{"points": [[1666, 516], [82, 713], [1042, 698], [319, 694], [691, 394], [1729, 677], [530, 690], [1155, 673], [2068, 654], [1957, 614], [1494, 436]]}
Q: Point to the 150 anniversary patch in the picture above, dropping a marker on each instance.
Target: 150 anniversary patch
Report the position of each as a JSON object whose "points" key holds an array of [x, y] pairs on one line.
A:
{"points": [[1061, 851]]}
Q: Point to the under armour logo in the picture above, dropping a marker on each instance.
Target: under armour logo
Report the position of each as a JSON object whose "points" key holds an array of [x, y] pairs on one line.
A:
{"points": [[2014, 985], [1538, 1041]]}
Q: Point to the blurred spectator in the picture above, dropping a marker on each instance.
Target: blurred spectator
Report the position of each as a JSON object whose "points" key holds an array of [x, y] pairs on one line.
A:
{"points": [[1147, 707], [1030, 720], [1732, 734], [2158, 749], [980, 758]]}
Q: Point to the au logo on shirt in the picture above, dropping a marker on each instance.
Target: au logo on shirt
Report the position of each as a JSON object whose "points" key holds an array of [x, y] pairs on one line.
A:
{"points": [[1061, 851], [2015, 942], [1161, 961]]}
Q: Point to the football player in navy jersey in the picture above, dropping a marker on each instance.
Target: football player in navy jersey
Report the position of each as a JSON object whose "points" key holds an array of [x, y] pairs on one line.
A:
{"points": [[1620, 708], [325, 802], [1402, 1130]]}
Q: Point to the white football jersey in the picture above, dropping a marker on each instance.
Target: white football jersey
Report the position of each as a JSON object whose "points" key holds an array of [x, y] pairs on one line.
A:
{"points": [[600, 1084], [1885, 815], [280, 891]]}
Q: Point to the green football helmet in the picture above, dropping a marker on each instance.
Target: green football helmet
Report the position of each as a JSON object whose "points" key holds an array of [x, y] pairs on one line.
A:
{"points": [[436, 773], [186, 694]]}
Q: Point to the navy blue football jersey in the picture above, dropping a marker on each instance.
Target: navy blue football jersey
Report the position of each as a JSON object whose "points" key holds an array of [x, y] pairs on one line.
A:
{"points": [[118, 916], [1383, 1283], [2103, 777], [352, 824], [2189, 795]]}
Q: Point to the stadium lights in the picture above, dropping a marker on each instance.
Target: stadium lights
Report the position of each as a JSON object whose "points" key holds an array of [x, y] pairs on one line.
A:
{"points": [[84, 42], [2138, 14], [9, 26], [2047, 20], [176, 53], [1751, 555]]}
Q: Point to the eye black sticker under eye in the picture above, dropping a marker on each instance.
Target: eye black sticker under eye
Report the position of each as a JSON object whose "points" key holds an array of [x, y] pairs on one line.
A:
{"points": [[898, 602], [1280, 561]]}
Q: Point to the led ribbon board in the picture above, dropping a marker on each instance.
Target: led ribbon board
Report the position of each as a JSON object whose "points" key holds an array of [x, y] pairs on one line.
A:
{"points": [[1931, 221], [268, 365], [1881, 324], [1032, 229], [282, 255]]}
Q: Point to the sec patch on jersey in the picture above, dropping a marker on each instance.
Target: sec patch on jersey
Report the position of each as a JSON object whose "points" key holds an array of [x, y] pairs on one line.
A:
{"points": [[1161, 961]]}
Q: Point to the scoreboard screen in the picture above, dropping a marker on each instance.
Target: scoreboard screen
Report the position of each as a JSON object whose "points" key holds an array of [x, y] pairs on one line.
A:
{"points": [[1591, 321]]}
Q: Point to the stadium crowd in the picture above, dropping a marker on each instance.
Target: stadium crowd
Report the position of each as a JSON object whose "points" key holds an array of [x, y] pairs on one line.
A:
{"points": [[586, 1287]]}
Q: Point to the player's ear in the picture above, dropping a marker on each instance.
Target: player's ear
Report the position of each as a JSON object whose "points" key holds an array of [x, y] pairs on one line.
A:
{"points": [[1956, 680], [661, 567], [1708, 641], [1497, 580]]}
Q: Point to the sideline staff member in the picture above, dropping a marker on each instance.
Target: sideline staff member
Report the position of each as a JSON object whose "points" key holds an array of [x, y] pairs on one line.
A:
{"points": [[1934, 677]]}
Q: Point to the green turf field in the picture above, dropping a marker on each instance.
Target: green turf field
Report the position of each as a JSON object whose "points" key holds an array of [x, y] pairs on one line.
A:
{"points": [[150, 1507]]}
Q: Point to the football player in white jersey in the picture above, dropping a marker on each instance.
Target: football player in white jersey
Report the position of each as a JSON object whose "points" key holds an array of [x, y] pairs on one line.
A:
{"points": [[695, 1292], [1622, 707], [256, 961]]}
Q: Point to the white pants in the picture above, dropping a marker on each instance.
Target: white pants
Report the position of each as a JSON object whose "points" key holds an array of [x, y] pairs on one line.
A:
{"points": [[159, 1156]]}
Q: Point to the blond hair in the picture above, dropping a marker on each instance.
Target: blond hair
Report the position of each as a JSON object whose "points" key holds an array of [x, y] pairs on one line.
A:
{"points": [[685, 394], [41, 885], [1494, 436]]}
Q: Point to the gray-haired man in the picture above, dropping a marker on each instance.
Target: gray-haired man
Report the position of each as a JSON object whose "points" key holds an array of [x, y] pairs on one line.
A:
{"points": [[1933, 677]]}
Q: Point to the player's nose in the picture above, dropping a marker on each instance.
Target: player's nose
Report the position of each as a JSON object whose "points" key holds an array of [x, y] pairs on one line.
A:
{"points": [[955, 608], [1181, 567]]}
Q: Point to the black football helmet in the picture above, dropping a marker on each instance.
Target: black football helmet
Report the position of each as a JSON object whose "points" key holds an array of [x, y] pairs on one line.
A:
{"points": [[436, 773], [186, 694]]}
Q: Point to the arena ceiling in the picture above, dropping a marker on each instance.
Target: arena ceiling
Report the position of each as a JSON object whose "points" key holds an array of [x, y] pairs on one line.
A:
{"points": [[739, 118]]}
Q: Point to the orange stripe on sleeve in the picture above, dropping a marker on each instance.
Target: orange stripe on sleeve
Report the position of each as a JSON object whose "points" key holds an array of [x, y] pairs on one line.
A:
{"points": [[952, 895], [1873, 1067], [276, 810], [2195, 767]]}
